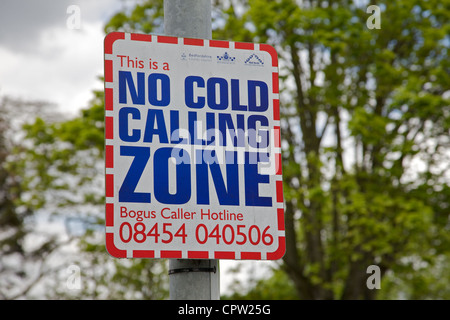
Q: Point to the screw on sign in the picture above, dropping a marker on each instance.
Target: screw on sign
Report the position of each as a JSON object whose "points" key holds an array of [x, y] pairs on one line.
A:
{"points": [[193, 152]]}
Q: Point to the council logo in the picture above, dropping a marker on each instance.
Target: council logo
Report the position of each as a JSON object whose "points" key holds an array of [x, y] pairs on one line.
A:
{"points": [[195, 57], [254, 60], [225, 58]]}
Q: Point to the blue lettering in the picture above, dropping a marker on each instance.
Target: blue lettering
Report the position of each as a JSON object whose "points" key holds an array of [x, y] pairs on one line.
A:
{"points": [[189, 92], [226, 127], [223, 93], [193, 129], [153, 80], [253, 179], [137, 96], [228, 195], [210, 128], [123, 124], [263, 94], [235, 103], [161, 160], [155, 116], [127, 190], [175, 128], [254, 135]]}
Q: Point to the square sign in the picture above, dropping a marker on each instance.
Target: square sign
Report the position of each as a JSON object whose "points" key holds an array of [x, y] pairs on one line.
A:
{"points": [[192, 149]]}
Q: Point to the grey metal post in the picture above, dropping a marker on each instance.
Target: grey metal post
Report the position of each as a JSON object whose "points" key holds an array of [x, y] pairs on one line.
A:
{"points": [[191, 279], [188, 18]]}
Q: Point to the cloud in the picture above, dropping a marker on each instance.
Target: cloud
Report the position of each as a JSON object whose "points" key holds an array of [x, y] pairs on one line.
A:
{"points": [[64, 69], [22, 21], [43, 59]]}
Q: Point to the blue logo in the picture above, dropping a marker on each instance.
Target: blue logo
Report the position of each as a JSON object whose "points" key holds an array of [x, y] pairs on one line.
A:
{"points": [[254, 60], [225, 58]]}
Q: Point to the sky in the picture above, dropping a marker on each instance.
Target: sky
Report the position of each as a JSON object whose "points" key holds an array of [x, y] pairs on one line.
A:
{"points": [[45, 55]]}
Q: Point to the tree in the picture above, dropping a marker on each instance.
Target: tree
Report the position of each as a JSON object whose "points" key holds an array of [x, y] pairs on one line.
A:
{"points": [[24, 250], [361, 107], [365, 123], [362, 110], [71, 152]]}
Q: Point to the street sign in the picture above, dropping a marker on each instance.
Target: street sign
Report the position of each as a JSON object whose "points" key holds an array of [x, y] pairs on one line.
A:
{"points": [[192, 149]]}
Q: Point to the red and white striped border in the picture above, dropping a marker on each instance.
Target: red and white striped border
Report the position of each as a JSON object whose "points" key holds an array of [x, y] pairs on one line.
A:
{"points": [[109, 149]]}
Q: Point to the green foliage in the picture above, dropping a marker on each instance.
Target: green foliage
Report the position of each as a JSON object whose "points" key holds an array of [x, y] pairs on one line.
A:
{"points": [[276, 287], [66, 158], [145, 17], [370, 107], [23, 252], [365, 130]]}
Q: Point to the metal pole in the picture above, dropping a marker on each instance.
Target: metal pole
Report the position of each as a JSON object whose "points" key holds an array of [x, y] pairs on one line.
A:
{"points": [[194, 279], [188, 18], [191, 279]]}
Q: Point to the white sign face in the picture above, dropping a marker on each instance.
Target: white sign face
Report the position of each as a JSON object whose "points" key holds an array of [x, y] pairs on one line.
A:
{"points": [[192, 149]]}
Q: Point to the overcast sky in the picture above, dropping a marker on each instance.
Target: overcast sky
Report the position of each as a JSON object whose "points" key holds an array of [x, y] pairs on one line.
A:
{"points": [[42, 59]]}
